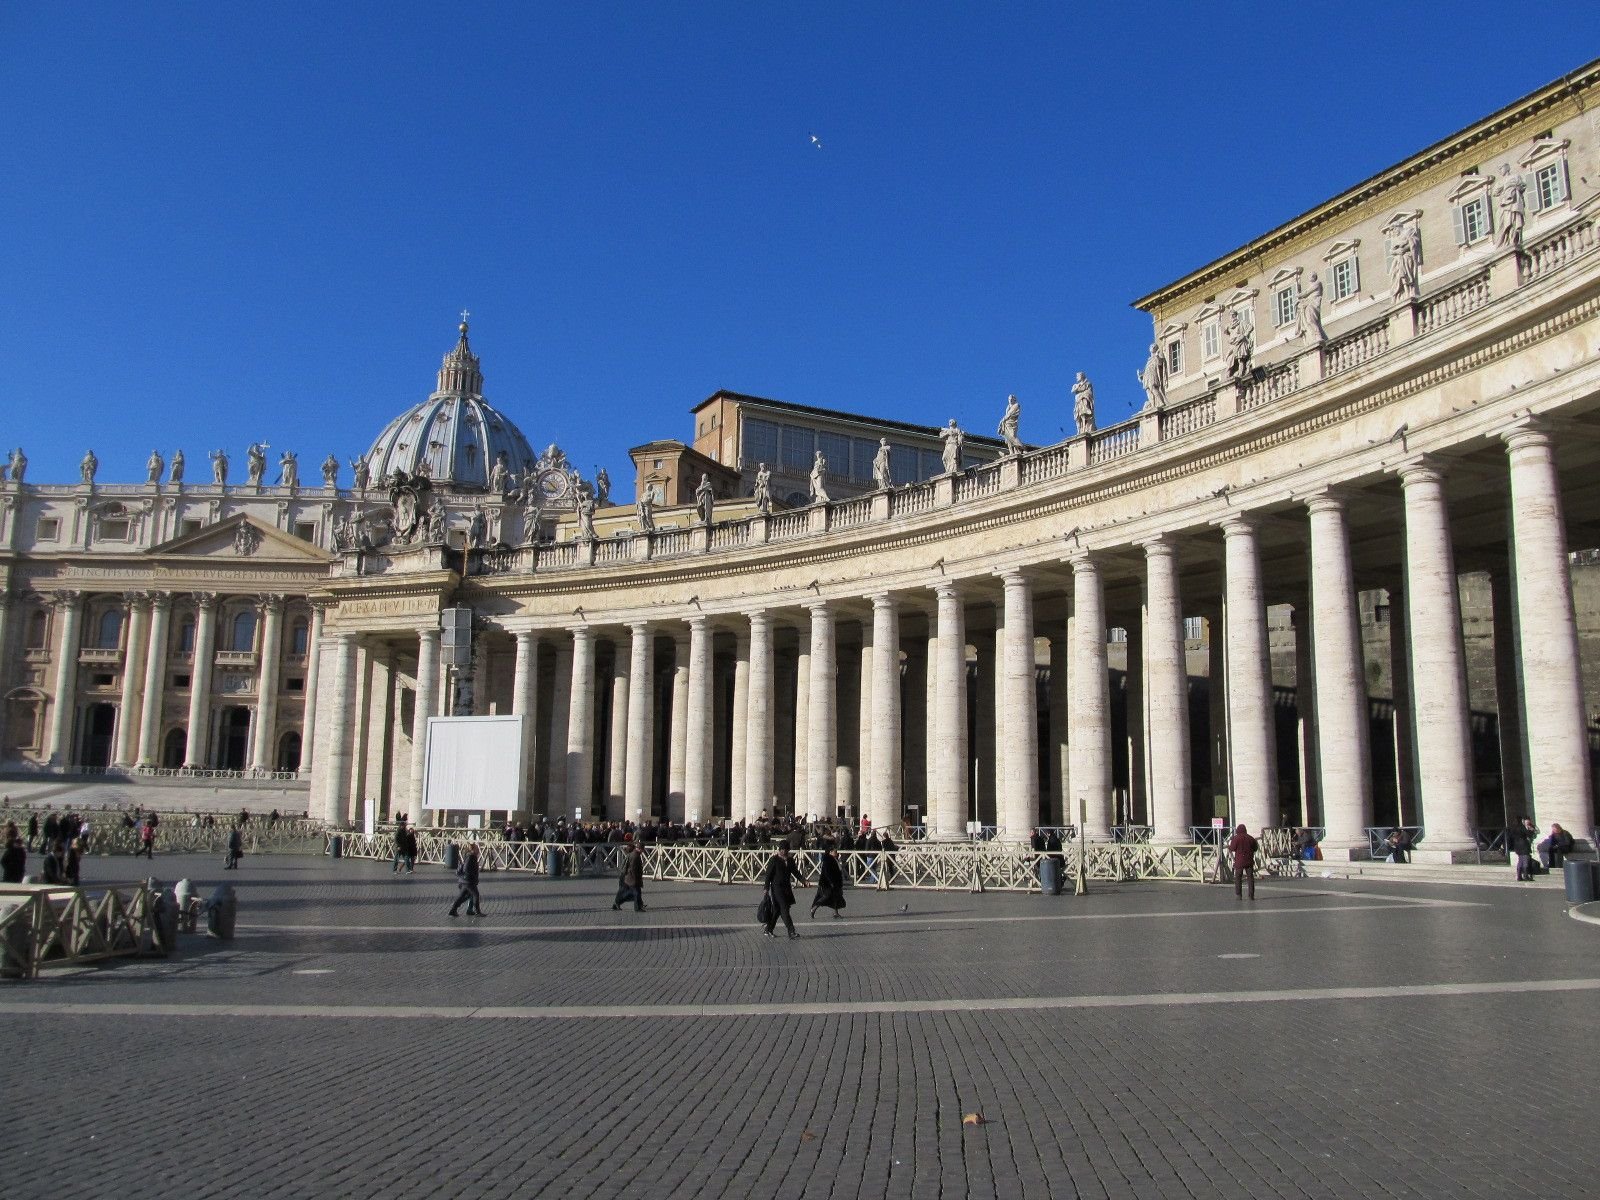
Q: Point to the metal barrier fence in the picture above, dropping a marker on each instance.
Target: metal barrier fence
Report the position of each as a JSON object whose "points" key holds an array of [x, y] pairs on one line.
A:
{"points": [[176, 834], [48, 925]]}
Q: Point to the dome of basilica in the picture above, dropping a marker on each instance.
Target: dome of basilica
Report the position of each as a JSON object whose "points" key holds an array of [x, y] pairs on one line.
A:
{"points": [[454, 436]]}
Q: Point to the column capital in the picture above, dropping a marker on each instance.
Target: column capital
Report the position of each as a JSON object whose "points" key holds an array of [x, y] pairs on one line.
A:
{"points": [[884, 600], [161, 601], [68, 599], [639, 629], [136, 600], [1525, 431], [581, 633], [1158, 544], [525, 637], [1325, 499], [1012, 577], [270, 602], [432, 633], [946, 589], [698, 622], [205, 601], [1239, 524], [1421, 468], [760, 618], [1083, 562], [819, 608]]}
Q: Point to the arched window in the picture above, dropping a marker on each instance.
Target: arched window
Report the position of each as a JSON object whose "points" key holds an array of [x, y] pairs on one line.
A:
{"points": [[243, 631], [39, 630], [289, 751], [300, 638], [109, 631], [186, 636]]}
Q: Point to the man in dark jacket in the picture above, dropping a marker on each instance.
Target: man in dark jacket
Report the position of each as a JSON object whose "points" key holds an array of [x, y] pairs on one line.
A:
{"points": [[830, 884], [781, 875], [14, 861], [235, 849], [467, 878], [1243, 848], [1519, 845], [630, 885]]}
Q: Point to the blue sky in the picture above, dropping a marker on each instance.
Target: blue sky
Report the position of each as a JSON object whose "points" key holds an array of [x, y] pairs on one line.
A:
{"points": [[235, 222]]}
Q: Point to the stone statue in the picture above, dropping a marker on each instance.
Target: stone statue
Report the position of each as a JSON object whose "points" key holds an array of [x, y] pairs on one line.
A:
{"points": [[153, 466], [953, 440], [705, 500], [1083, 404], [289, 469], [219, 466], [177, 467], [330, 472], [436, 521], [19, 465], [819, 488], [4, 467], [763, 490], [363, 473], [255, 462], [1010, 423], [645, 509], [477, 528], [881, 478], [602, 486], [1154, 379], [1308, 313], [1241, 347], [88, 467], [246, 539], [586, 517], [499, 475], [1508, 199], [1405, 258]]}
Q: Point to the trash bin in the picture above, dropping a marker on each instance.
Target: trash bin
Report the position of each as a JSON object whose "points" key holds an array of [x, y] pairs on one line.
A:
{"points": [[1580, 881], [452, 856], [336, 846], [552, 861], [222, 910], [1049, 877], [17, 938]]}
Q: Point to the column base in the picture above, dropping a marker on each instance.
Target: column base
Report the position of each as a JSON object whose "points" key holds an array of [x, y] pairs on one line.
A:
{"points": [[1444, 856], [1359, 852]]}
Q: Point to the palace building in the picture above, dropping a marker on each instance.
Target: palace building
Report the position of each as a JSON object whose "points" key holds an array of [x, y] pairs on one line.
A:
{"points": [[1334, 572]]}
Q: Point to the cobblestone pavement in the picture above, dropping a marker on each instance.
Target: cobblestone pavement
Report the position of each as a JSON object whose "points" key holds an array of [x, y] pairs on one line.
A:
{"points": [[1329, 1040]]}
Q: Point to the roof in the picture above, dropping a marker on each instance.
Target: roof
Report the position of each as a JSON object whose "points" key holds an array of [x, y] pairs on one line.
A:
{"points": [[1532, 105], [927, 431]]}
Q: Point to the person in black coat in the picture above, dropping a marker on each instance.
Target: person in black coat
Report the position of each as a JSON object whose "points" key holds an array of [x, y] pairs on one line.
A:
{"points": [[52, 864], [830, 884], [781, 875], [1554, 849], [1519, 845], [467, 877], [235, 850], [14, 861]]}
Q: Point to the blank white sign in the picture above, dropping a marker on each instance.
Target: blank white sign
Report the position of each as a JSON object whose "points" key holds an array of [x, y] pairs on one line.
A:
{"points": [[474, 763]]}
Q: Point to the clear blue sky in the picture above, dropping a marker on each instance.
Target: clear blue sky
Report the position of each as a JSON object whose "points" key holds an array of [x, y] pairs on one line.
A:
{"points": [[235, 222]]}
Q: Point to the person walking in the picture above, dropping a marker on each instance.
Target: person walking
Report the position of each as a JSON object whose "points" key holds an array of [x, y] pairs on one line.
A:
{"points": [[235, 849], [630, 884], [1519, 845], [1243, 848], [13, 861], [147, 839], [467, 878], [781, 874], [33, 830], [830, 885], [408, 835], [398, 858]]}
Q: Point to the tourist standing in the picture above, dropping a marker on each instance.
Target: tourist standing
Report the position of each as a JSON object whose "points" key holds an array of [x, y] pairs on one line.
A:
{"points": [[235, 849], [13, 861], [467, 879], [147, 838], [630, 884], [1243, 848], [33, 829], [781, 875], [71, 867], [1519, 845], [409, 836], [830, 884]]}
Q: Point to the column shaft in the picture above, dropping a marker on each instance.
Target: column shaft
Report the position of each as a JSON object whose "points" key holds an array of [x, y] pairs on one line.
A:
{"points": [[697, 747], [205, 641], [426, 705], [580, 725], [641, 721], [759, 756], [308, 710], [1167, 700], [266, 723], [617, 741], [949, 753], [135, 646], [155, 679], [524, 704], [677, 762], [885, 791], [1091, 703], [62, 718], [739, 751], [337, 767], [822, 736], [1017, 806], [1252, 732], [1343, 754]]}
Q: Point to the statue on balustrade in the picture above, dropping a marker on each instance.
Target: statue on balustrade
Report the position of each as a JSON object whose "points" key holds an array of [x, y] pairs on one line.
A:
{"points": [[255, 457], [1011, 425], [1241, 348], [586, 508], [153, 466], [177, 467], [763, 490], [1308, 312], [1154, 379], [953, 439], [88, 467], [1083, 404], [19, 465], [330, 472], [645, 509], [219, 467], [532, 511], [289, 469], [1513, 210], [477, 528], [1405, 259], [819, 487], [880, 467], [705, 500], [435, 529], [363, 473], [602, 486], [499, 476]]}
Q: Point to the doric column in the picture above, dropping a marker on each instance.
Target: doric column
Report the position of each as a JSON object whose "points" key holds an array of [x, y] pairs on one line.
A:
{"points": [[1252, 735], [1305, 687], [802, 724], [426, 705], [1438, 663], [864, 704], [1091, 702], [205, 642], [1060, 727], [697, 748], [1508, 701], [617, 742], [580, 723], [677, 759], [1017, 810], [1133, 705], [266, 723], [738, 771], [1167, 698], [759, 752], [1216, 715], [69, 608], [337, 767], [822, 736], [1552, 689], [932, 747], [6, 609], [135, 646], [1408, 809], [155, 680], [524, 704], [884, 792], [555, 799], [982, 756], [1343, 757], [308, 718], [641, 720], [950, 745]]}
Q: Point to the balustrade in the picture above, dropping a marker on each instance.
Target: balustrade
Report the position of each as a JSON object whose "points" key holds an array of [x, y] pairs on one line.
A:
{"points": [[1453, 303], [730, 534], [788, 525], [1050, 463], [917, 498], [1275, 383], [611, 550], [848, 513], [665, 543], [1197, 414], [1355, 348], [1543, 257], [980, 481], [1114, 442]]}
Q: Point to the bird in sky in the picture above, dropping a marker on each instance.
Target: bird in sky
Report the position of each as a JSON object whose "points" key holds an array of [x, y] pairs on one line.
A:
{"points": [[815, 140]]}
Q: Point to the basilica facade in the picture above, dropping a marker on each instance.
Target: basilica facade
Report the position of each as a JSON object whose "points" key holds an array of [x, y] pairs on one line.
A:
{"points": [[1324, 576]]}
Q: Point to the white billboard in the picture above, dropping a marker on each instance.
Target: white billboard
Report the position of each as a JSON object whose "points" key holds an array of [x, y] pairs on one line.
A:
{"points": [[474, 763]]}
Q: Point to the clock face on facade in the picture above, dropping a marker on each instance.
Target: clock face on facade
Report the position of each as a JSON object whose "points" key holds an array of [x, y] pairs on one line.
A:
{"points": [[552, 484]]}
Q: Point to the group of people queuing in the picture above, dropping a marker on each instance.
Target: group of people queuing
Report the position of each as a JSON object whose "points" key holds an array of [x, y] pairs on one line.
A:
{"points": [[760, 834], [61, 862]]}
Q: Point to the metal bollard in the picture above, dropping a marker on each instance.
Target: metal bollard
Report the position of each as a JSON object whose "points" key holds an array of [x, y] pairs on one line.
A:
{"points": [[222, 910]]}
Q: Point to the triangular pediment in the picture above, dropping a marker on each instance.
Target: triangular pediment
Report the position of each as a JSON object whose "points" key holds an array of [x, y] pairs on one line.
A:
{"points": [[243, 538]]}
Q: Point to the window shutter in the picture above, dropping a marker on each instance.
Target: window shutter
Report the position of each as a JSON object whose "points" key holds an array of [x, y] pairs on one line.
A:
{"points": [[1488, 214], [1564, 190], [1458, 215], [1530, 192]]}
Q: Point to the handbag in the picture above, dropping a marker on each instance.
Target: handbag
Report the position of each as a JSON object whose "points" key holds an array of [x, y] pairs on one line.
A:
{"points": [[766, 912]]}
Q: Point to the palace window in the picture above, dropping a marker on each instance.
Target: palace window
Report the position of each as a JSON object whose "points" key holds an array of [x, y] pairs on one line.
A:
{"points": [[1472, 220], [102, 679], [294, 684], [760, 441], [1346, 278], [1550, 185], [1194, 628], [186, 638], [835, 448], [299, 638], [904, 466], [862, 452], [180, 681], [243, 631], [1211, 340], [39, 630], [48, 530], [1175, 356], [306, 531], [189, 525], [109, 631], [25, 721], [797, 448], [1284, 304], [114, 529]]}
